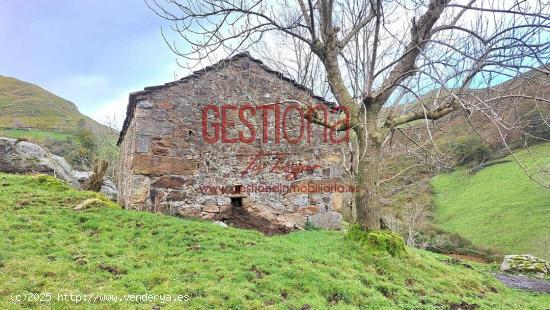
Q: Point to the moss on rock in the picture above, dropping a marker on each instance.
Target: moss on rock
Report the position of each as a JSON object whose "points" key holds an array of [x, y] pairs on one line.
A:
{"points": [[94, 203], [524, 264], [379, 241]]}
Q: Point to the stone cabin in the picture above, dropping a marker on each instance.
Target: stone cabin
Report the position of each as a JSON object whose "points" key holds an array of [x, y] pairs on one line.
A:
{"points": [[188, 149]]}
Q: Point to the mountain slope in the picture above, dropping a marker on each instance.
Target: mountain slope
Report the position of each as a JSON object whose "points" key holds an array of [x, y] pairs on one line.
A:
{"points": [[510, 100], [499, 206], [32, 113], [25, 105], [50, 248]]}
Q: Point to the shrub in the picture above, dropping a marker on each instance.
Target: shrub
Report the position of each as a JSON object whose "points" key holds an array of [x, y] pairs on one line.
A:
{"points": [[470, 149]]}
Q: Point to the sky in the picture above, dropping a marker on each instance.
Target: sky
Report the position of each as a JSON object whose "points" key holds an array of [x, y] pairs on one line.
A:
{"points": [[91, 52]]}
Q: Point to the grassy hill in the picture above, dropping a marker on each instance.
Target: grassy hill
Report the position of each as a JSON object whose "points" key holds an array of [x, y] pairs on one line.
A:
{"points": [[31, 112], [49, 247], [27, 105], [499, 206]]}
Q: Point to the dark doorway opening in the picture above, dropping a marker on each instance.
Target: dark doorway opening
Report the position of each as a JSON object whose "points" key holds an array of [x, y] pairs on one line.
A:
{"points": [[236, 202]]}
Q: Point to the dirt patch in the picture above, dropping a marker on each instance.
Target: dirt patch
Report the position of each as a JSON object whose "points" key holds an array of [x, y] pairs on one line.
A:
{"points": [[240, 217], [463, 306], [470, 258], [259, 273], [112, 269]]}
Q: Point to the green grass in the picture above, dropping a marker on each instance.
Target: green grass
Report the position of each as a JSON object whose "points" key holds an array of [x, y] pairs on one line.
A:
{"points": [[47, 247], [38, 136], [499, 206]]}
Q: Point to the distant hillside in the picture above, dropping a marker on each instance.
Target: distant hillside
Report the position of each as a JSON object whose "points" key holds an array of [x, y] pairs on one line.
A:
{"points": [[30, 112], [499, 206], [519, 113], [25, 105]]}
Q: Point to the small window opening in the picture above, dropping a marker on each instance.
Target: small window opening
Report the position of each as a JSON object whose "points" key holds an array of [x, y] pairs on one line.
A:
{"points": [[236, 202]]}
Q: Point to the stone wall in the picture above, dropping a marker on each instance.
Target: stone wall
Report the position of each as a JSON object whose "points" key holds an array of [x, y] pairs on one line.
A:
{"points": [[167, 166]]}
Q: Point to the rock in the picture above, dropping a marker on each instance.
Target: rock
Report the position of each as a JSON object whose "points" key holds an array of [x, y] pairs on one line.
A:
{"points": [[292, 220], [524, 283], [301, 200], [25, 157], [524, 264], [223, 201], [309, 210], [176, 196], [145, 104], [141, 186], [210, 216], [337, 202], [82, 176], [159, 165], [109, 189], [143, 144], [261, 211], [170, 182], [187, 211], [207, 200], [211, 208], [220, 223], [328, 220]]}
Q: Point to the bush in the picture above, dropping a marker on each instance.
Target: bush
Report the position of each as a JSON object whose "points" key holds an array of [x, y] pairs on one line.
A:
{"points": [[470, 149], [377, 241], [538, 129]]}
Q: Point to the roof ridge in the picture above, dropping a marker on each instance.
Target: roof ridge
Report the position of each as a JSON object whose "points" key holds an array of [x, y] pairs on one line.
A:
{"points": [[200, 72]]}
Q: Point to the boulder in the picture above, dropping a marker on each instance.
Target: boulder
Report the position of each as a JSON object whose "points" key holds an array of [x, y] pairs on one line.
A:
{"points": [[187, 211], [108, 188], [524, 264], [220, 223], [18, 156], [82, 176]]}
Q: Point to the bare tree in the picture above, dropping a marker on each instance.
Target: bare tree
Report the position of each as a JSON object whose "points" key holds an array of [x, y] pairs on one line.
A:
{"points": [[390, 63], [111, 121], [17, 123]]}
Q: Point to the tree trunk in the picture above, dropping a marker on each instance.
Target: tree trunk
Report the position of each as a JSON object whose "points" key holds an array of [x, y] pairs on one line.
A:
{"points": [[95, 181], [367, 196]]}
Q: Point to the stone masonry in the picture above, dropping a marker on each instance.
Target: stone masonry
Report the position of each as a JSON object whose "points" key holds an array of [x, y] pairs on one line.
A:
{"points": [[179, 159]]}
